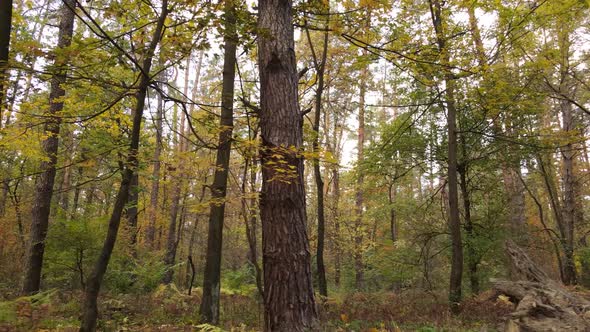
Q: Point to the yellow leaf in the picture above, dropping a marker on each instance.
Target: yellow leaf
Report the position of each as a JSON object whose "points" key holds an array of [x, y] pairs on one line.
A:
{"points": [[344, 318]]}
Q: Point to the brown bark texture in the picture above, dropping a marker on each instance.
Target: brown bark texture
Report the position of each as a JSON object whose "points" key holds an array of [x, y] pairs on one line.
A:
{"points": [[288, 291], [45, 181]]}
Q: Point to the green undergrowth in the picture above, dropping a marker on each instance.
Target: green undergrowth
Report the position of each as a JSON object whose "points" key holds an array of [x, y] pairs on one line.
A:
{"points": [[168, 308]]}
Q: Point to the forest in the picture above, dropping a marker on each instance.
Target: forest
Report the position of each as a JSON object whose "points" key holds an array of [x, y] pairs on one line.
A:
{"points": [[294, 165]]}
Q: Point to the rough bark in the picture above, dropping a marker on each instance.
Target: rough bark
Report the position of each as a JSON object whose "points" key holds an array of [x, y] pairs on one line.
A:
{"points": [[569, 154], [209, 309], [5, 28], [569, 195], [454, 218], [45, 181], [90, 307], [288, 290]]}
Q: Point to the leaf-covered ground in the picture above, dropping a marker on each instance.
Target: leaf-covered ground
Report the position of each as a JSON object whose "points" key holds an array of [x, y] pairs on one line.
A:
{"points": [[168, 309]]}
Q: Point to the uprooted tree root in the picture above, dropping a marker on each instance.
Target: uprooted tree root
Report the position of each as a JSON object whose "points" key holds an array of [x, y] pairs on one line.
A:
{"points": [[542, 304]]}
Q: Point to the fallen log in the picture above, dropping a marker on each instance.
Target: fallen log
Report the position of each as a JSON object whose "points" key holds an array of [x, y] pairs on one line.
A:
{"points": [[542, 304]]}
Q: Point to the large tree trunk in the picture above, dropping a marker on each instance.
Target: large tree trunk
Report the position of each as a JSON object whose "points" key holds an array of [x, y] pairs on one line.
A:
{"points": [[569, 195], [5, 28], [288, 290], [454, 218], [90, 308], [45, 181], [569, 154], [209, 309]]}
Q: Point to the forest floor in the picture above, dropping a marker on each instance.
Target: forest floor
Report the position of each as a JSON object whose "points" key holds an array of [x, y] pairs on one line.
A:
{"points": [[167, 309]]}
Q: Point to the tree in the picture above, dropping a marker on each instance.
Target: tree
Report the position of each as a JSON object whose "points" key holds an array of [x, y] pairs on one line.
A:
{"points": [[320, 67], [5, 28], [209, 309], [90, 308], [288, 292], [44, 185], [438, 22]]}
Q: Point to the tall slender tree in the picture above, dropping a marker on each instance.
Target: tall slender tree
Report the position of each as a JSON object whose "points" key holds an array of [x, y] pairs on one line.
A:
{"points": [[90, 307], [45, 181], [320, 67], [438, 21], [211, 279], [157, 164], [176, 206]]}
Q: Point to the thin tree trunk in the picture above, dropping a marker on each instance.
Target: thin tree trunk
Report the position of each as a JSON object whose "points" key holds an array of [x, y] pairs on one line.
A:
{"points": [[77, 190], [194, 230], [392, 216], [90, 308], [171, 242], [472, 259], [45, 181], [337, 249], [454, 217], [18, 212], [319, 182], [288, 289], [337, 133], [63, 195], [153, 208], [178, 176], [249, 215], [132, 211], [209, 309], [358, 224]]}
